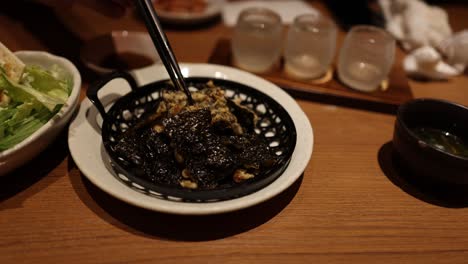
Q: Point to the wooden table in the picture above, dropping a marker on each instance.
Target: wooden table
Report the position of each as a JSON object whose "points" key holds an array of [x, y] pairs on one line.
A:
{"points": [[351, 204]]}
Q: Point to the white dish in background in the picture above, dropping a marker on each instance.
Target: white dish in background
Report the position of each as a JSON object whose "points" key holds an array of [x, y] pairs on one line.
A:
{"points": [[119, 44], [31, 146], [213, 9], [85, 143]]}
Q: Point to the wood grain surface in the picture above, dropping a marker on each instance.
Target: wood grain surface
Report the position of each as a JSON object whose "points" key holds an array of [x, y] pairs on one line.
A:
{"points": [[354, 203]]}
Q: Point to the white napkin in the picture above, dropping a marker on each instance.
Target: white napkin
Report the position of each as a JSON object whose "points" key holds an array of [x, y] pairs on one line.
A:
{"points": [[424, 31], [415, 23], [427, 63], [287, 9]]}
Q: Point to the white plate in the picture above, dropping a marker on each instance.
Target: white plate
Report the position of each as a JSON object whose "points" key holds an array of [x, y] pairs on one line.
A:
{"points": [[30, 147], [213, 9], [86, 148]]}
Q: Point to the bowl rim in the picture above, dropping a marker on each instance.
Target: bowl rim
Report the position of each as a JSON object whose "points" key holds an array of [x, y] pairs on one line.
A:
{"points": [[85, 144], [67, 107], [404, 107]]}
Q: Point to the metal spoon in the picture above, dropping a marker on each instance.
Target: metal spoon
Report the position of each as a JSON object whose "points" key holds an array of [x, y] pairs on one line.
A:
{"points": [[162, 45]]}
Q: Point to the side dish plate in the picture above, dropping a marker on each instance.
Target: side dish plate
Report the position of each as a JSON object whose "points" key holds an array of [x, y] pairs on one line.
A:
{"points": [[212, 10], [91, 158], [27, 149]]}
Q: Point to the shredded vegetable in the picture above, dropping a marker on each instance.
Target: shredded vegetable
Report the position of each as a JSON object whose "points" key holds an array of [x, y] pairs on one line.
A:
{"points": [[28, 104]]}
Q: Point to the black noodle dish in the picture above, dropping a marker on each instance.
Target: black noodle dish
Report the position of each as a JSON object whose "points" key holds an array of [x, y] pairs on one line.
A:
{"points": [[209, 145]]}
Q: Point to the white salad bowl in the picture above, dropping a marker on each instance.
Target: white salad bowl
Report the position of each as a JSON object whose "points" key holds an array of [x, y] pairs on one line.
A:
{"points": [[27, 149]]}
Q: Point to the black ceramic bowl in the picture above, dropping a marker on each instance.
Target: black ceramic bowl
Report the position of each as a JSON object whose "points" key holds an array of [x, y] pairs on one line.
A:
{"points": [[424, 160]]}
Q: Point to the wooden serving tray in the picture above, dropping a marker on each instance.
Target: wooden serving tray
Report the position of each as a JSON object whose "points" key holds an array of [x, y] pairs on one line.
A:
{"points": [[332, 91]]}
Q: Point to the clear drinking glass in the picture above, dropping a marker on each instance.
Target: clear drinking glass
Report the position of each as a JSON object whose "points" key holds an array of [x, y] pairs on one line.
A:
{"points": [[256, 43], [310, 46], [366, 58]]}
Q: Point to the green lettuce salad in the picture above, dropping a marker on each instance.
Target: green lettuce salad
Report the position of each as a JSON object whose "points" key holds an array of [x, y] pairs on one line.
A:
{"points": [[28, 104]]}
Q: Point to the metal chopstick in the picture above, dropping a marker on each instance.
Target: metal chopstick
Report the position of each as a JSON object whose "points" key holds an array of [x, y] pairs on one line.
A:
{"points": [[162, 46]]}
